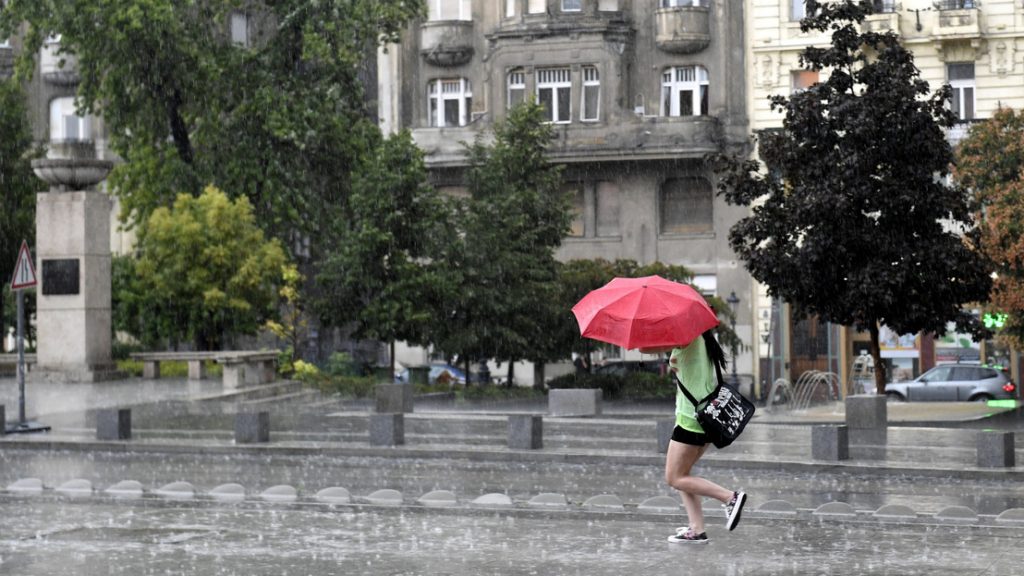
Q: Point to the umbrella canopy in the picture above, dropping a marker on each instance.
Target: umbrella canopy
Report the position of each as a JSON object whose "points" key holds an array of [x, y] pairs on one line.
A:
{"points": [[646, 312]]}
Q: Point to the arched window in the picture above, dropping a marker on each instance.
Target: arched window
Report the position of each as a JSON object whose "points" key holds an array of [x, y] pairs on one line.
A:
{"points": [[684, 91], [449, 102], [449, 10], [516, 87], [687, 206], [554, 89], [66, 124], [590, 104]]}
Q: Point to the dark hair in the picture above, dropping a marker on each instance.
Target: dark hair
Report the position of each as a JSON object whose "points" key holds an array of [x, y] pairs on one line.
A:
{"points": [[715, 352]]}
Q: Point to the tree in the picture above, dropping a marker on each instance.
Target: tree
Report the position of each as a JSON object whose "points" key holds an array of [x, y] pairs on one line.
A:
{"points": [[504, 268], [204, 271], [854, 220], [280, 118], [389, 261], [990, 161], [18, 187]]}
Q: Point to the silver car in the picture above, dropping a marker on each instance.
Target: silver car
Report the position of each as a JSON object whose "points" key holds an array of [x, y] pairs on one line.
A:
{"points": [[954, 382]]}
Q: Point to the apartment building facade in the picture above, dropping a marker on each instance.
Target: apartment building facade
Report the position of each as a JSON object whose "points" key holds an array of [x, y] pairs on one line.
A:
{"points": [[975, 47], [637, 91]]}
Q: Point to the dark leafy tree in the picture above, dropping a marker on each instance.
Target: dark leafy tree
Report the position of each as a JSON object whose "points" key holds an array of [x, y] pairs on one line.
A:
{"points": [[990, 161], [504, 269], [280, 117], [389, 262], [855, 220], [18, 187]]}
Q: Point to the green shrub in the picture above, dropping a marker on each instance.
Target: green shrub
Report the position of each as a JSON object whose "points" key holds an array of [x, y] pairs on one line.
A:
{"points": [[638, 386], [341, 364], [168, 369]]}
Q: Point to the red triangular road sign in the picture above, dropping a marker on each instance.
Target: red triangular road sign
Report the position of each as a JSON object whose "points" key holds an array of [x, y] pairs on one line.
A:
{"points": [[24, 270]]}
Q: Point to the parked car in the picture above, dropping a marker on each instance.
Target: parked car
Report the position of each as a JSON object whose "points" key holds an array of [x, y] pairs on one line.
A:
{"points": [[626, 367], [954, 382], [455, 375]]}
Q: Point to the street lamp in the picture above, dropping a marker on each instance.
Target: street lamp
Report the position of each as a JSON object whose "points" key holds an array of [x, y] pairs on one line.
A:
{"points": [[733, 301]]}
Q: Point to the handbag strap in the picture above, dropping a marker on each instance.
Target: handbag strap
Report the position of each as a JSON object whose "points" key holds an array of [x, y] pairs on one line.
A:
{"points": [[721, 382]]}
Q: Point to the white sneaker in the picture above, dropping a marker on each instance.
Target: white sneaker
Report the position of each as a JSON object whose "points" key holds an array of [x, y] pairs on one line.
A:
{"points": [[734, 509], [687, 536]]}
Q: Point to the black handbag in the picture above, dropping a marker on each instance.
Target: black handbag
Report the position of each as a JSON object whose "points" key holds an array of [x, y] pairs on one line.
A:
{"points": [[723, 414]]}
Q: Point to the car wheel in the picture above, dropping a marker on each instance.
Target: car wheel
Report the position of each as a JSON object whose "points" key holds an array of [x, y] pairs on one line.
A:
{"points": [[981, 398], [894, 397]]}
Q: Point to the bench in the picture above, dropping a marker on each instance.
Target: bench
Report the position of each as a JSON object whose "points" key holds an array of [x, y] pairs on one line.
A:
{"points": [[9, 363], [248, 367], [241, 367], [151, 362]]}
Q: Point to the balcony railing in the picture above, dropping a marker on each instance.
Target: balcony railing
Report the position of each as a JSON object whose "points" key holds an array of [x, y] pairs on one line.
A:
{"points": [[447, 42], [683, 29], [955, 5]]}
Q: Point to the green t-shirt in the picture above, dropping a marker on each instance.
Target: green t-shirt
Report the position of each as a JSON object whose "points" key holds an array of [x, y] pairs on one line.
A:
{"points": [[692, 366]]}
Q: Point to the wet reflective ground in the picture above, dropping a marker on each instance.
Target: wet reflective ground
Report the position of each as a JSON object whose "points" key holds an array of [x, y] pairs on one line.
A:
{"points": [[68, 537]]}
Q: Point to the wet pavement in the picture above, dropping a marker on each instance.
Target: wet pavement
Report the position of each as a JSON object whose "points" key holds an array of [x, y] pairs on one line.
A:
{"points": [[183, 432]]}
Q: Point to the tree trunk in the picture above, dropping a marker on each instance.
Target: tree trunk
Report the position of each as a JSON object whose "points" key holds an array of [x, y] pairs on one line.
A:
{"points": [[392, 362], [876, 357], [3, 327], [511, 373], [538, 376], [465, 369]]}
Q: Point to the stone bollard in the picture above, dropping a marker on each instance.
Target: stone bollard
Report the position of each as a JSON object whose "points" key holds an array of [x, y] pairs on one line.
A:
{"points": [[867, 420], [393, 398], [525, 432], [3, 420], [664, 431], [252, 427], [830, 443], [114, 424], [387, 429], [995, 449], [574, 402]]}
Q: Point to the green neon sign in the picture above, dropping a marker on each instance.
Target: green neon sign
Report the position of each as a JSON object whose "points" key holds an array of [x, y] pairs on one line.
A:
{"points": [[994, 321]]}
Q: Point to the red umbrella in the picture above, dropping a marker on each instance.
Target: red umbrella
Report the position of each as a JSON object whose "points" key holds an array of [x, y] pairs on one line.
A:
{"points": [[647, 312]]}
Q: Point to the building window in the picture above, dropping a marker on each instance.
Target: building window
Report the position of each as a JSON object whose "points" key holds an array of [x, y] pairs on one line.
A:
{"points": [[577, 203], [240, 29], [66, 124], [607, 208], [800, 80], [686, 206], [554, 87], [572, 5], [450, 101], [590, 105], [961, 80], [510, 8], [678, 3], [516, 87], [449, 10], [608, 5], [797, 10], [684, 91], [884, 6], [537, 6]]}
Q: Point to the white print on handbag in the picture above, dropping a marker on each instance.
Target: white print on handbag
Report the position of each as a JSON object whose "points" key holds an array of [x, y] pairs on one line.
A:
{"points": [[726, 412]]}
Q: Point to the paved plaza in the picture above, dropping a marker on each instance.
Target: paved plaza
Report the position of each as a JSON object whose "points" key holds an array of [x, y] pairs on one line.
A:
{"points": [[454, 499]]}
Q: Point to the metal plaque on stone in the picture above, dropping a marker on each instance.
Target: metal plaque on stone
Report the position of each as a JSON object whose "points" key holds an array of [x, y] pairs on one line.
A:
{"points": [[60, 277]]}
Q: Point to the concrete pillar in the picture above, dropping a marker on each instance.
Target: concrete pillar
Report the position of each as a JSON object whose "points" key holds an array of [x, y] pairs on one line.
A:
{"points": [[252, 427], [995, 449], [73, 316], [525, 432], [387, 429], [394, 398], [830, 443], [114, 424]]}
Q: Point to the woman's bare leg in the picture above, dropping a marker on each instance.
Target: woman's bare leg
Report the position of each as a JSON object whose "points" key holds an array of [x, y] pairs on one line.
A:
{"points": [[678, 463]]}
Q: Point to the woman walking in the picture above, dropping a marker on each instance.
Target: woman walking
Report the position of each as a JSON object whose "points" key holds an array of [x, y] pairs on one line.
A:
{"points": [[694, 365]]}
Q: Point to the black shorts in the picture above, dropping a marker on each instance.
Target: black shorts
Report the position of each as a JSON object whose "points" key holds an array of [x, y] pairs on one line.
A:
{"points": [[680, 434]]}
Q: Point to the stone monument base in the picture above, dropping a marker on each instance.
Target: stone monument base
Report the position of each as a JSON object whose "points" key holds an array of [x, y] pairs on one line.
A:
{"points": [[73, 375]]}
